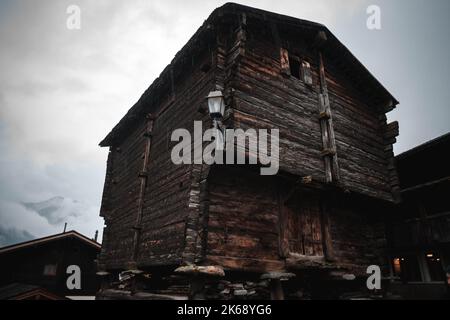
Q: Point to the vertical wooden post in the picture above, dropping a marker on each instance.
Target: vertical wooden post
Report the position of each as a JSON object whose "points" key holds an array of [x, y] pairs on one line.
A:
{"points": [[143, 184], [283, 243], [326, 122], [325, 140], [326, 232]]}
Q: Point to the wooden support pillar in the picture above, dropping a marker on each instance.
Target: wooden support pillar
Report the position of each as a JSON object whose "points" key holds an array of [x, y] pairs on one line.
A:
{"points": [[275, 283], [198, 276], [136, 281], [105, 280], [276, 290], [197, 288]]}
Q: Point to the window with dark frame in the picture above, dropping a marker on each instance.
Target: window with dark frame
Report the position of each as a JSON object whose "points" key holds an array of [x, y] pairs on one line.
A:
{"points": [[300, 69], [294, 65], [50, 270]]}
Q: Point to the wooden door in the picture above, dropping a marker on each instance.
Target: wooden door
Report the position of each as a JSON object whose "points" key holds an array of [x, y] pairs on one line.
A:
{"points": [[304, 227]]}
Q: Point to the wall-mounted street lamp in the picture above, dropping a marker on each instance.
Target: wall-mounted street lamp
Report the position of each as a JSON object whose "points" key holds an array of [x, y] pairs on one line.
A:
{"points": [[216, 105], [216, 108]]}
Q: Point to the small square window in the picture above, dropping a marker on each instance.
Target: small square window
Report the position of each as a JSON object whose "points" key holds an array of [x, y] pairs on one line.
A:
{"points": [[301, 69], [50, 270]]}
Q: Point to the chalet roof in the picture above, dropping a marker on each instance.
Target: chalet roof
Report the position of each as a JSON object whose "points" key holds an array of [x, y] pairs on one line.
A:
{"points": [[20, 291], [55, 237], [425, 165], [442, 140], [366, 80]]}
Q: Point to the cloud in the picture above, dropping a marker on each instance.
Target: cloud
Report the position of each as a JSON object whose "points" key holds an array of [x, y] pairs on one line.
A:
{"points": [[65, 89], [57, 209], [25, 184], [17, 217], [12, 236]]}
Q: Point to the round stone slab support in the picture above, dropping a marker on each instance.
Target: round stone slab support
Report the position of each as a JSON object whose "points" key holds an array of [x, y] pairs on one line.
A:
{"points": [[276, 287], [197, 277]]}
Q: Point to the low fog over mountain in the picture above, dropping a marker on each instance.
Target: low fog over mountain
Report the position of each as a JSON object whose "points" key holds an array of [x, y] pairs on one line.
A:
{"points": [[46, 217]]}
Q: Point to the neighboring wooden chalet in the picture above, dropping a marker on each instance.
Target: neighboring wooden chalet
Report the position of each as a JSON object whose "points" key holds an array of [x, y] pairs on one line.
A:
{"points": [[40, 266], [322, 216], [18, 291], [419, 238]]}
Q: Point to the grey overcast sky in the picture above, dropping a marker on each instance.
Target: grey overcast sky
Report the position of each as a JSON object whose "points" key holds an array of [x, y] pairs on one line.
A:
{"points": [[61, 90]]}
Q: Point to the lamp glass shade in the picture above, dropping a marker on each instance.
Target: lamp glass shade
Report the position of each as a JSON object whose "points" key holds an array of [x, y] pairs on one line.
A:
{"points": [[220, 140], [216, 104]]}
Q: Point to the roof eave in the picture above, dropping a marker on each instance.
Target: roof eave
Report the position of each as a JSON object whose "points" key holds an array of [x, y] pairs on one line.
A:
{"points": [[389, 103]]}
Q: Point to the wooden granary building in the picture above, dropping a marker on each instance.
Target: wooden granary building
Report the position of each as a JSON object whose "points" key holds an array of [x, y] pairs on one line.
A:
{"points": [[321, 217]]}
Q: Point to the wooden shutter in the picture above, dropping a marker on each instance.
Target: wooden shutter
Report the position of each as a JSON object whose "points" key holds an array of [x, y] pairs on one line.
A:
{"points": [[306, 73], [284, 60]]}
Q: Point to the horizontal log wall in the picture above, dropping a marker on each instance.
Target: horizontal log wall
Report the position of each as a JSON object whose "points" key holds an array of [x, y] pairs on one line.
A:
{"points": [[264, 99], [243, 220], [359, 137], [166, 196], [169, 185], [357, 234], [243, 212], [122, 198], [244, 217], [268, 98]]}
